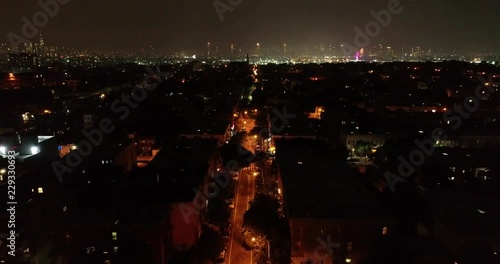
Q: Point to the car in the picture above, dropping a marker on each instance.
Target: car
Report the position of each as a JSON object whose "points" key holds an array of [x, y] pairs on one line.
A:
{"points": [[235, 175], [222, 258], [226, 225]]}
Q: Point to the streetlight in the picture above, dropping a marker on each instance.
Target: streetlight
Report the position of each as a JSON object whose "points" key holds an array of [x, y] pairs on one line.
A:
{"points": [[253, 239], [34, 150]]}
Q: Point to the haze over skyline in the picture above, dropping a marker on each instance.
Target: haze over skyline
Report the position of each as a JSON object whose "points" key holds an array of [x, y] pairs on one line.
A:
{"points": [[171, 26]]}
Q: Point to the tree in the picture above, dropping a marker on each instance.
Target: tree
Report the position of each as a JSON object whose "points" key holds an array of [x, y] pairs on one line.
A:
{"points": [[362, 148], [209, 245], [236, 153], [218, 210], [261, 120], [263, 214], [239, 138]]}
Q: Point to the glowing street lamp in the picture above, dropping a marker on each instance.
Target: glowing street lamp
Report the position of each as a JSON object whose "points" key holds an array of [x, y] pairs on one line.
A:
{"points": [[34, 150], [253, 239]]}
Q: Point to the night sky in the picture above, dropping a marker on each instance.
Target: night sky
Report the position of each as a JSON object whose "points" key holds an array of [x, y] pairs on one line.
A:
{"points": [[174, 25]]}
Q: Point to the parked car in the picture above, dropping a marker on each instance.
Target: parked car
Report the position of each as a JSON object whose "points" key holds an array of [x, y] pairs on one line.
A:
{"points": [[226, 232], [222, 258], [235, 176]]}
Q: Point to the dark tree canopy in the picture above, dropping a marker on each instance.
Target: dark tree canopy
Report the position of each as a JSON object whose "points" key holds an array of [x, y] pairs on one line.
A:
{"points": [[263, 214]]}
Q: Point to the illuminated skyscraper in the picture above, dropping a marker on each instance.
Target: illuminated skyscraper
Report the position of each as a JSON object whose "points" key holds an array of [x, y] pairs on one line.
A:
{"points": [[41, 40], [208, 50]]}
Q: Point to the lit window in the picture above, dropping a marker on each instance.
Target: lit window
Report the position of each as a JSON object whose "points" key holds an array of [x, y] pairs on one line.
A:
{"points": [[90, 249], [384, 230], [40, 190], [65, 209], [114, 235], [115, 249]]}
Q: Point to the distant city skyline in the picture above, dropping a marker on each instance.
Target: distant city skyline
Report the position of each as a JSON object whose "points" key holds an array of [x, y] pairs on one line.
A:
{"points": [[173, 26]]}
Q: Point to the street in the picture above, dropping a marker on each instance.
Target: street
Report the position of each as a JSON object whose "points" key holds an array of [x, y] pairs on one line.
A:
{"points": [[237, 254]]}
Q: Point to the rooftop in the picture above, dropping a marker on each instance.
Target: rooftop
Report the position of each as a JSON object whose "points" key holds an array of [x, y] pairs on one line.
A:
{"points": [[314, 186]]}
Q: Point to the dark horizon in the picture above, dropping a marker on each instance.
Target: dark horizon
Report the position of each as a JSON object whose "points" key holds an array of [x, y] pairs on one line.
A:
{"points": [[173, 26]]}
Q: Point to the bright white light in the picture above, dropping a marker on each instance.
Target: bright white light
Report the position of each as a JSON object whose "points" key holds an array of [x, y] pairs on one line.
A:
{"points": [[34, 150], [3, 150], [481, 211], [347, 260], [2, 171]]}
